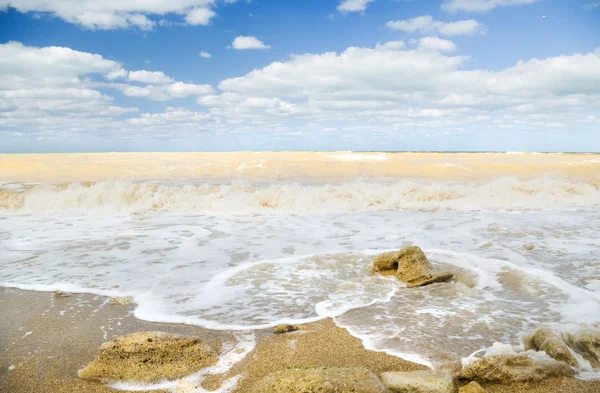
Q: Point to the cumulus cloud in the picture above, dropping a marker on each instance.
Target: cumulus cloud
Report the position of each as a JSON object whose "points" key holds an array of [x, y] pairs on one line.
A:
{"points": [[199, 16], [149, 77], [117, 14], [427, 25], [353, 5], [56, 89], [435, 43], [480, 5], [50, 87], [248, 42], [205, 55], [389, 88]]}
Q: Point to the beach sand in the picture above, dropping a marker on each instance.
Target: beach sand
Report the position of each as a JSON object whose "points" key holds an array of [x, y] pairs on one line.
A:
{"points": [[49, 339]]}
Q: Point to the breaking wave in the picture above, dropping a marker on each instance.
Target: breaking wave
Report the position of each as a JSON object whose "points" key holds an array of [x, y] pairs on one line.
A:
{"points": [[238, 197]]}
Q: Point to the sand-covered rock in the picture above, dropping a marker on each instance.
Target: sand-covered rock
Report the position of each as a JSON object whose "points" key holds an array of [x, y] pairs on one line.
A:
{"points": [[587, 343], [409, 265], [149, 357], [281, 329], [425, 381], [321, 380], [549, 341], [472, 387], [513, 368]]}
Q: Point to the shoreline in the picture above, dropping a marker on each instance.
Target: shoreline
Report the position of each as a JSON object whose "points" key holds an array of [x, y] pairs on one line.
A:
{"points": [[48, 339]]}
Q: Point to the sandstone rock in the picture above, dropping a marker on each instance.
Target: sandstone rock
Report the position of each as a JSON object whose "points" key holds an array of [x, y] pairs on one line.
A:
{"points": [[513, 368], [121, 300], [472, 387], [149, 357], [418, 382], [409, 265], [587, 343], [60, 293], [281, 329], [444, 277], [321, 380], [547, 340]]}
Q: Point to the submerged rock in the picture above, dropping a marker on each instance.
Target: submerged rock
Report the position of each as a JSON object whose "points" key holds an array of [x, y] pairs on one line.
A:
{"points": [[549, 341], [472, 387], [587, 343], [513, 368], [60, 293], [281, 329], [418, 382], [409, 265], [121, 300], [321, 380], [149, 357]]}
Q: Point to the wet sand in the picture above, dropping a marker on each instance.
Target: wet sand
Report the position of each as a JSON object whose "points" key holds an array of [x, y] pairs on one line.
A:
{"points": [[66, 334]]}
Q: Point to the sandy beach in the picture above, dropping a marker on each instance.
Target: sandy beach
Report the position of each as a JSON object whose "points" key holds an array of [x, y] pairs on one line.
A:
{"points": [[48, 339]]}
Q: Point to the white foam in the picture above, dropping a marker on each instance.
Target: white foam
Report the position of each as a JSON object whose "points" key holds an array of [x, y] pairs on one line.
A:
{"points": [[252, 270]]}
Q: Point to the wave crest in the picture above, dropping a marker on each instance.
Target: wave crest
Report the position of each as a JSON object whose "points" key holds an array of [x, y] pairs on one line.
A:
{"points": [[294, 198]]}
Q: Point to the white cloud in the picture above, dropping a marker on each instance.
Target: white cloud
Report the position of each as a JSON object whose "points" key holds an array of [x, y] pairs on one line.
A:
{"points": [[435, 43], [199, 16], [121, 73], [205, 55], [480, 5], [353, 5], [180, 89], [388, 89], [17, 60], [248, 42], [117, 14], [165, 92], [144, 76], [426, 25]]}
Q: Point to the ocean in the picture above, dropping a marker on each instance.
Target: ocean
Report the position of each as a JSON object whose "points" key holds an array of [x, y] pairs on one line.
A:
{"points": [[241, 241]]}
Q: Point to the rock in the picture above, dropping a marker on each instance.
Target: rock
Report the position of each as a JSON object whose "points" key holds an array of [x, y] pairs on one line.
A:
{"points": [[149, 357], [121, 300], [60, 293], [587, 343], [321, 380], [444, 277], [418, 382], [472, 387], [281, 329], [547, 340], [409, 265], [529, 247], [513, 368]]}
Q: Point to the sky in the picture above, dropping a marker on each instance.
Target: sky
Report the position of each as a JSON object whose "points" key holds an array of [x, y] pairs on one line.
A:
{"points": [[333, 75]]}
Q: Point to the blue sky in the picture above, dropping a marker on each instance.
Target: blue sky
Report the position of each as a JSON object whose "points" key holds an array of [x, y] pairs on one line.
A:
{"points": [[127, 75]]}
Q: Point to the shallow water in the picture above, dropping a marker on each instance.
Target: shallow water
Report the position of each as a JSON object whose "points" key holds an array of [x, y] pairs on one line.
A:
{"points": [[242, 253]]}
